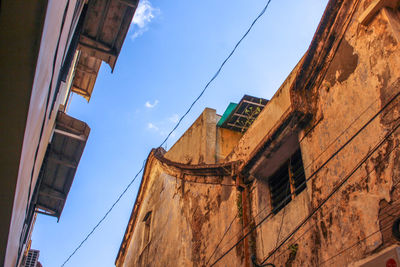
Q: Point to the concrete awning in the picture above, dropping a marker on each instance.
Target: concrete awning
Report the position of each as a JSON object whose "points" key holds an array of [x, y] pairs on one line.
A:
{"points": [[103, 33], [85, 75], [59, 166], [105, 27]]}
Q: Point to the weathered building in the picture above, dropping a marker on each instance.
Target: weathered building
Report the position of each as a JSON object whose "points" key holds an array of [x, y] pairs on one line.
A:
{"points": [[49, 49], [314, 180]]}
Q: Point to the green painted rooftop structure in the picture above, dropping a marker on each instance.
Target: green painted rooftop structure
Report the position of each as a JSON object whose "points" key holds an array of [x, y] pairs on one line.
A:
{"points": [[239, 117]]}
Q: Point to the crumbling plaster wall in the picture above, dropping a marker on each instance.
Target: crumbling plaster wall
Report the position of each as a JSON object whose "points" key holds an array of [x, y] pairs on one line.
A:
{"points": [[204, 142], [188, 221], [193, 218], [197, 144], [226, 141], [347, 125], [362, 78], [272, 115], [276, 227]]}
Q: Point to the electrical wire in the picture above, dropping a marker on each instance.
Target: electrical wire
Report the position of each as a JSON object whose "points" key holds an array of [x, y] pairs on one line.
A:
{"points": [[218, 71], [260, 212], [341, 252], [244, 228], [323, 152], [333, 207], [105, 215], [337, 187], [340, 184], [327, 147], [283, 215], [177, 124], [223, 236], [315, 172], [354, 244], [180, 120], [393, 97], [393, 204]]}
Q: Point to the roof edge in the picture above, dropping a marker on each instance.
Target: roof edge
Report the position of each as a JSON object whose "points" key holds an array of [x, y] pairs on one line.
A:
{"points": [[157, 154]]}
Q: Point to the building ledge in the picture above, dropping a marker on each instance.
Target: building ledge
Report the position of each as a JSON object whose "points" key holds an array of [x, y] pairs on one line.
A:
{"points": [[59, 165], [105, 26]]}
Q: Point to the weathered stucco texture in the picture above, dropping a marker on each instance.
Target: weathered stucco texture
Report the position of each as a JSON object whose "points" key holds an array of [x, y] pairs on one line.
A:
{"points": [[348, 124], [197, 144], [189, 213], [341, 107], [226, 141], [277, 109], [188, 220], [204, 142]]}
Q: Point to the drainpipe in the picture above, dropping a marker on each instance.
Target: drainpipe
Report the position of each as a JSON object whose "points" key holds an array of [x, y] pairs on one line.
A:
{"points": [[244, 190], [246, 223]]}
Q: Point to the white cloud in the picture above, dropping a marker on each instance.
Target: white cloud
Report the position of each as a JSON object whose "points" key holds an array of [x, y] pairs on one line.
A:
{"points": [[144, 14], [174, 118], [149, 105], [152, 126]]}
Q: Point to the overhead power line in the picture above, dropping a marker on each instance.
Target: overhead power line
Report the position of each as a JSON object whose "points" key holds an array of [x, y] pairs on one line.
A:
{"points": [[335, 190], [316, 158], [175, 127], [105, 215], [218, 71], [312, 176]]}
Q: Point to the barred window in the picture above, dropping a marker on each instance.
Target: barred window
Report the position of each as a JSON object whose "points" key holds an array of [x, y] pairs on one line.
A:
{"points": [[287, 182]]}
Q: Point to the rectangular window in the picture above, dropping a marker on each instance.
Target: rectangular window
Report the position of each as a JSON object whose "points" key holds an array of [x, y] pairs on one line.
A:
{"points": [[287, 182], [143, 257], [146, 234]]}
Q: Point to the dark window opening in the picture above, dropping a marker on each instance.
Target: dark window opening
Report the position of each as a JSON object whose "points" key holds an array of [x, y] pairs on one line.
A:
{"points": [[287, 182], [143, 257], [146, 233]]}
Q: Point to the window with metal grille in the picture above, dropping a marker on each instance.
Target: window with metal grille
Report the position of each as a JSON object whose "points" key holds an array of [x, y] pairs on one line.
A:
{"points": [[32, 258], [287, 182]]}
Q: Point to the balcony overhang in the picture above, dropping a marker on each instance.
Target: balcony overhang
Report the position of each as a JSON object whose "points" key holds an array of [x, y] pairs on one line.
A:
{"points": [[103, 33], [60, 164], [85, 75], [105, 27]]}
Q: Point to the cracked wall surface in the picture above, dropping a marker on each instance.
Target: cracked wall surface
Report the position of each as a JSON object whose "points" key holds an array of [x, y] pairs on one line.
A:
{"points": [[342, 105], [188, 221], [355, 109]]}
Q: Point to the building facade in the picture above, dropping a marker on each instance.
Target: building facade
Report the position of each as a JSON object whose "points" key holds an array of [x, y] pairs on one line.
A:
{"points": [[49, 50], [314, 179]]}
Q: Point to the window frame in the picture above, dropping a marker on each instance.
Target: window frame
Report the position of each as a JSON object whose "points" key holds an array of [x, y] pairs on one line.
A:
{"points": [[294, 182]]}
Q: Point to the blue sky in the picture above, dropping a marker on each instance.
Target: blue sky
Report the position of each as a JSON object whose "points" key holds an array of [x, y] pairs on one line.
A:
{"points": [[171, 51]]}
